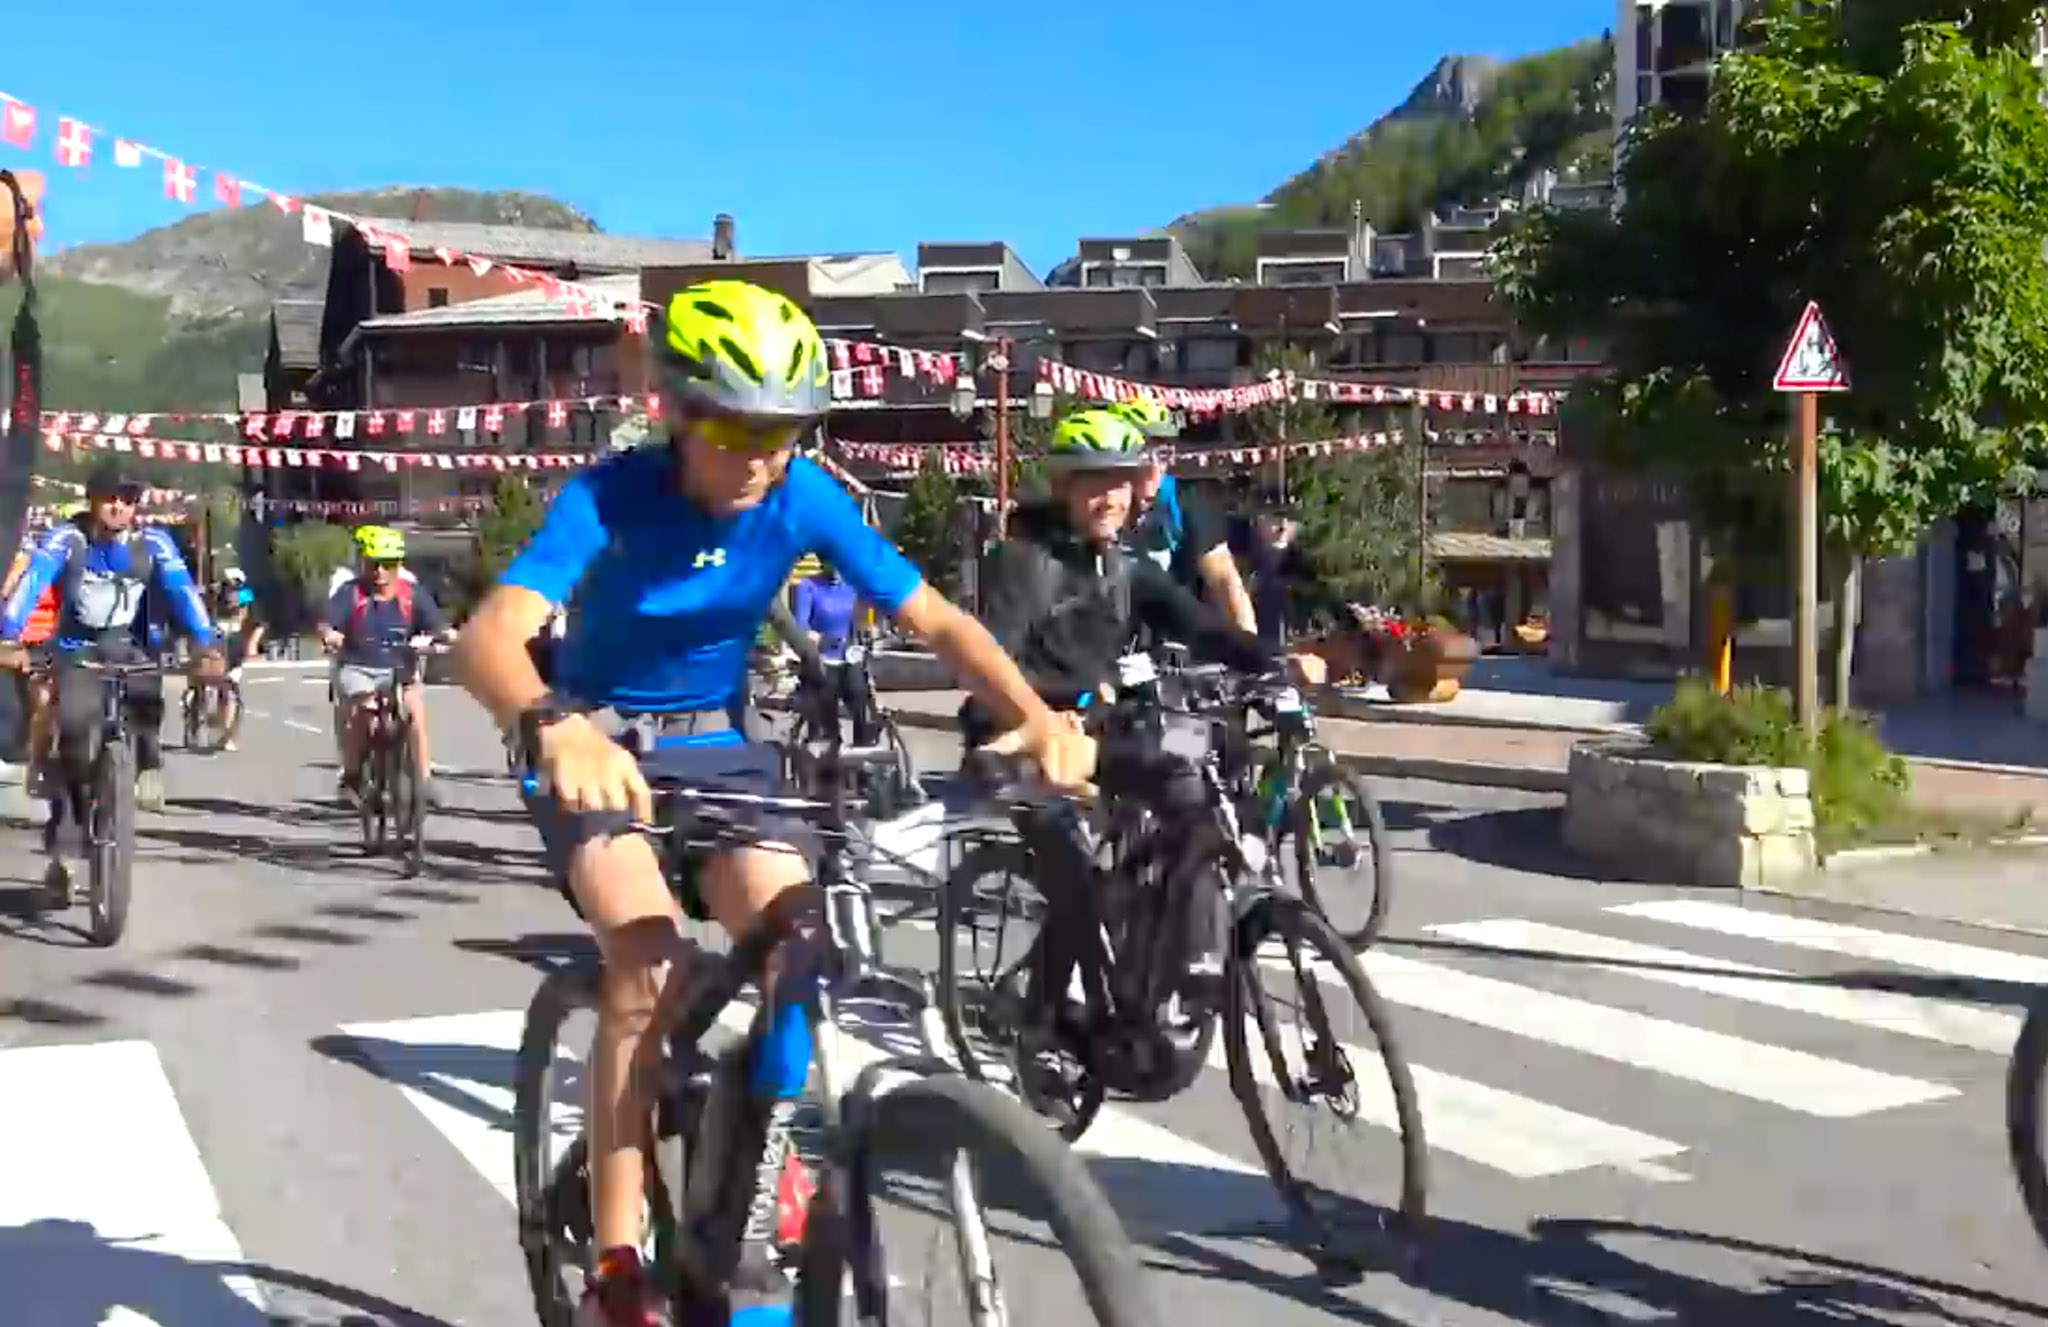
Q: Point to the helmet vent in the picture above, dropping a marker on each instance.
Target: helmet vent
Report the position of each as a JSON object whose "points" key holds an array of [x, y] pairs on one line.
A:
{"points": [[713, 309], [741, 359], [797, 355]]}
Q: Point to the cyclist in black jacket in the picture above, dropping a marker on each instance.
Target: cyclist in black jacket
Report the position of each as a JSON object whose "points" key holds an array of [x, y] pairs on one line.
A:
{"points": [[1065, 600]]}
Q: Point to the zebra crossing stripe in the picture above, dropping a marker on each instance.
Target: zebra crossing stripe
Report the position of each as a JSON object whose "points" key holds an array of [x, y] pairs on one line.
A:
{"points": [[1497, 1129], [120, 1211], [1795, 1080], [1887, 1011], [456, 1071], [1912, 951]]}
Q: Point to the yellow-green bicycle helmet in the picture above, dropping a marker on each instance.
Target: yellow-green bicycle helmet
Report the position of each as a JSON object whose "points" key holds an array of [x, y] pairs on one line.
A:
{"points": [[381, 543], [1149, 417], [1096, 440], [732, 347]]}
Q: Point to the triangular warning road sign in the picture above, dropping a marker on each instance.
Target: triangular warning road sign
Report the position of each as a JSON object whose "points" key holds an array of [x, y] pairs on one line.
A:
{"points": [[1812, 361]]}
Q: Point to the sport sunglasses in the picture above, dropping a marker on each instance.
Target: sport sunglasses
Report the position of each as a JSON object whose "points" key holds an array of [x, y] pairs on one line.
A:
{"points": [[738, 433]]}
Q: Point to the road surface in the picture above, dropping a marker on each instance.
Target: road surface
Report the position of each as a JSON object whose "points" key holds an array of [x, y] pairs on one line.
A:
{"points": [[1646, 1105]]}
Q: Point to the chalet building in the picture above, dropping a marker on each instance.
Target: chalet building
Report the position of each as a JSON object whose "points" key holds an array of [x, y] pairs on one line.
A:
{"points": [[1400, 310]]}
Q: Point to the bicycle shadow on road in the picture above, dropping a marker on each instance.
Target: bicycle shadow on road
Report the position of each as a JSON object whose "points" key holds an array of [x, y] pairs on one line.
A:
{"points": [[64, 1273], [1562, 1272]]}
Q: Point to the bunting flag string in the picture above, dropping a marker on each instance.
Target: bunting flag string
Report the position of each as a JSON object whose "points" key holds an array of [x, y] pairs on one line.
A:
{"points": [[859, 368], [976, 459], [307, 458], [1206, 401]]}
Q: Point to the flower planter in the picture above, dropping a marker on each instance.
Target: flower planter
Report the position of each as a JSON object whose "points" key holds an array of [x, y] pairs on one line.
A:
{"points": [[1429, 666], [1638, 817]]}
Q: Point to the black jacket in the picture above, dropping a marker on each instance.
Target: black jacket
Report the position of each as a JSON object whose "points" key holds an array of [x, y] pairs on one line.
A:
{"points": [[1066, 611]]}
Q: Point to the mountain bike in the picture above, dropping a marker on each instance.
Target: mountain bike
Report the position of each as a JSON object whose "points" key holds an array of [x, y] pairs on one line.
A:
{"points": [[888, 786], [1107, 997], [1313, 813], [105, 807], [212, 713], [392, 810], [723, 1128]]}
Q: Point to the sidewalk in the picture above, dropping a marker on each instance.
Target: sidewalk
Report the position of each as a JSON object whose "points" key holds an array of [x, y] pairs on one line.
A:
{"points": [[1397, 742]]}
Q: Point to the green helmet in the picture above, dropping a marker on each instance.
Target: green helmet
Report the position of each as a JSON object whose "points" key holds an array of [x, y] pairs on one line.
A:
{"points": [[1149, 417], [1096, 440], [732, 347]]}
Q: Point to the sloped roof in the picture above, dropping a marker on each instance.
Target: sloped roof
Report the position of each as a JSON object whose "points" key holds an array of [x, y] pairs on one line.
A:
{"points": [[589, 251], [298, 331], [529, 304]]}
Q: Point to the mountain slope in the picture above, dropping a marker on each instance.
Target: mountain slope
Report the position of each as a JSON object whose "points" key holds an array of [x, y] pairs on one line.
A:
{"points": [[239, 260], [1470, 130], [166, 320]]}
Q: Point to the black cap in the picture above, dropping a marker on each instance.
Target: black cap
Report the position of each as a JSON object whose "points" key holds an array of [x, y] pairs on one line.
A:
{"points": [[109, 478]]}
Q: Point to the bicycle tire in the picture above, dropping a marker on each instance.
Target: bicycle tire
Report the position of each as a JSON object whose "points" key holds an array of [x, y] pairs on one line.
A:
{"points": [[1321, 777], [190, 713], [231, 691], [2024, 1099], [545, 1196], [412, 805], [1283, 916], [370, 795], [111, 839], [942, 1115], [995, 857], [538, 1187]]}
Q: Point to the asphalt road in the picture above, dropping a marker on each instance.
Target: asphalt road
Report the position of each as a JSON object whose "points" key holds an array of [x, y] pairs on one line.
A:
{"points": [[1645, 1105]]}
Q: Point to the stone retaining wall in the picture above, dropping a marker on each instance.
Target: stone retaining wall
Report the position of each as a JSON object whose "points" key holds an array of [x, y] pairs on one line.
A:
{"points": [[1676, 822]]}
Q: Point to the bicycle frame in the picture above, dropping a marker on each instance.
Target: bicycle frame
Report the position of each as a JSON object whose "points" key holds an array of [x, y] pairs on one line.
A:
{"points": [[727, 1227]]}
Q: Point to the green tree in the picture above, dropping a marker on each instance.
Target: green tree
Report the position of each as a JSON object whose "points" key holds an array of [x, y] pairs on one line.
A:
{"points": [[928, 531], [306, 554], [502, 528], [1887, 159], [1357, 513]]}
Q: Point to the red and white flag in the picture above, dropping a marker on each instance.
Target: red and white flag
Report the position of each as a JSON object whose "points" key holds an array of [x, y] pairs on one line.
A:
{"points": [[17, 124], [180, 182], [228, 189], [74, 142]]}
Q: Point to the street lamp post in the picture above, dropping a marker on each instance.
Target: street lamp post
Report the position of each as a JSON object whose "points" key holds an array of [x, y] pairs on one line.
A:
{"points": [[1000, 363]]}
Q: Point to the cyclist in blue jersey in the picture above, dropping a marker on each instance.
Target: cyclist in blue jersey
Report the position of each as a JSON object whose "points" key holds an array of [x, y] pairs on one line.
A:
{"points": [[667, 558], [1180, 531], [104, 567]]}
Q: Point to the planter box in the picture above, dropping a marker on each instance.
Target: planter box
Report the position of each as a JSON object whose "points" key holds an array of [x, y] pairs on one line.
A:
{"points": [[1676, 822], [1431, 667]]}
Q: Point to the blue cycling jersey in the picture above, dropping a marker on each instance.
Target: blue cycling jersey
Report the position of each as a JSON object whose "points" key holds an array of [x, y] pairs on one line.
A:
{"points": [[664, 600], [109, 585]]}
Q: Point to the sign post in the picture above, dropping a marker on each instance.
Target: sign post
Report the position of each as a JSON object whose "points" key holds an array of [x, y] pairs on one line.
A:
{"points": [[1811, 364]]}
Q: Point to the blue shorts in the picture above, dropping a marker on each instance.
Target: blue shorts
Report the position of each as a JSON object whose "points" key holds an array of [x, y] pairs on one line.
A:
{"points": [[715, 761]]}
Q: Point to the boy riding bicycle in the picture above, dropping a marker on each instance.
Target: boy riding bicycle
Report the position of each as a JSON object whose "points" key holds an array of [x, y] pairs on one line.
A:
{"points": [[673, 553]]}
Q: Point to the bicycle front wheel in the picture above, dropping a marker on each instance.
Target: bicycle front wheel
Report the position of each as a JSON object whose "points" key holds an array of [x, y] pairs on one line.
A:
{"points": [[1337, 845], [1353, 1077], [900, 1151], [2024, 1102], [111, 836]]}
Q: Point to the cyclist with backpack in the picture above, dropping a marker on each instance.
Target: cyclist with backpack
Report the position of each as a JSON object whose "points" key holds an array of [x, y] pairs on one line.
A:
{"points": [[1066, 598], [1180, 531], [358, 626]]}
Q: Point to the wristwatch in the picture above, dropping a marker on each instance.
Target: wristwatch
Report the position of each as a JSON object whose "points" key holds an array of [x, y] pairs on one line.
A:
{"points": [[538, 717]]}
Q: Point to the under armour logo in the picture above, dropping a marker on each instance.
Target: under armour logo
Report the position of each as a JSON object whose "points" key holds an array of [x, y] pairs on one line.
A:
{"points": [[714, 558]]}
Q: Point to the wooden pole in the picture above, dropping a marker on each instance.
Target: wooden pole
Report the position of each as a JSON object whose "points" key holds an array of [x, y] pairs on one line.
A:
{"points": [[1806, 561]]}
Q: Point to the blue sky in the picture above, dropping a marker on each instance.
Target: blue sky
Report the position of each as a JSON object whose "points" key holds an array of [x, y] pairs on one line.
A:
{"points": [[823, 127]]}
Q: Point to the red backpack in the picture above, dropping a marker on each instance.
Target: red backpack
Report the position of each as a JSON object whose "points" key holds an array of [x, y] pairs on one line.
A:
{"points": [[360, 609]]}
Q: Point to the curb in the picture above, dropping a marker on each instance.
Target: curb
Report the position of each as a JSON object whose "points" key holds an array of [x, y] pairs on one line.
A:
{"points": [[1467, 772]]}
